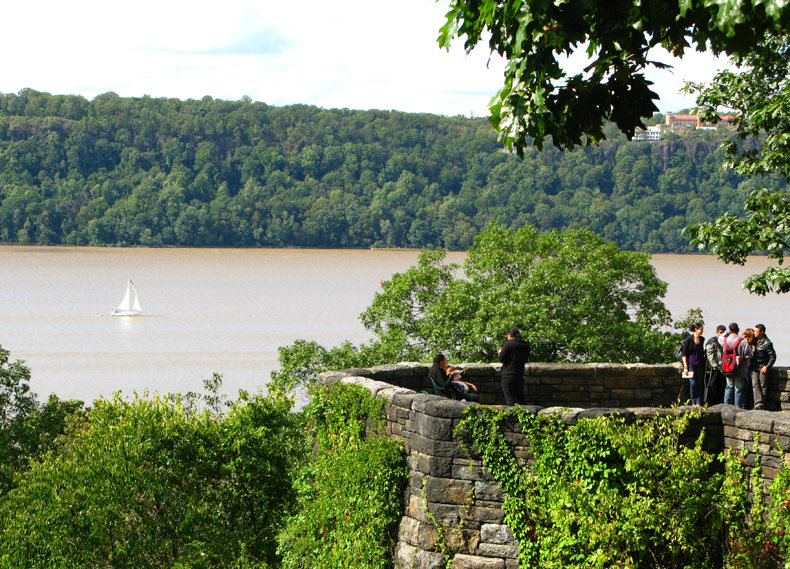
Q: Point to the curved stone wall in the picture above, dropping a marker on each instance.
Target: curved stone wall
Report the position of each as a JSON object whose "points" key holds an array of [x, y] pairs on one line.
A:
{"points": [[450, 493]]}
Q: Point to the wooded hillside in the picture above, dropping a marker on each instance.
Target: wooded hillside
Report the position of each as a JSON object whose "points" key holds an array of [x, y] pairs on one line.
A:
{"points": [[158, 172]]}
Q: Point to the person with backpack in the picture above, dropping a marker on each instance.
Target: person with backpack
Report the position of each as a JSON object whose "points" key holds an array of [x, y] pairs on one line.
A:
{"points": [[713, 351], [693, 352], [735, 365]]}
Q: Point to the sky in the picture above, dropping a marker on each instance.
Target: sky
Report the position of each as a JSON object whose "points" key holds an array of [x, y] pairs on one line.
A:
{"points": [[356, 54]]}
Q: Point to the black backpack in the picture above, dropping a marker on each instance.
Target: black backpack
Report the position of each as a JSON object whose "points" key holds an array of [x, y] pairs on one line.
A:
{"points": [[729, 361]]}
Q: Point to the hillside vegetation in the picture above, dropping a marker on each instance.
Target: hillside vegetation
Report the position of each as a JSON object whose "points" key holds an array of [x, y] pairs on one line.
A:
{"points": [[159, 172]]}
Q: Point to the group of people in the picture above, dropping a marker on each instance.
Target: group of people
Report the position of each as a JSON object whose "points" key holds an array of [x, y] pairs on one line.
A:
{"points": [[731, 367], [514, 354]]}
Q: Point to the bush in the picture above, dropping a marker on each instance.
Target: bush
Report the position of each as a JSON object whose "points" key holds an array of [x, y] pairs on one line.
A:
{"points": [[149, 483], [350, 496]]}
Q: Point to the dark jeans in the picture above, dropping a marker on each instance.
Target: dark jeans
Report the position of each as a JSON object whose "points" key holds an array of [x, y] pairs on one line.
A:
{"points": [[715, 387], [514, 390], [759, 388], [697, 383]]}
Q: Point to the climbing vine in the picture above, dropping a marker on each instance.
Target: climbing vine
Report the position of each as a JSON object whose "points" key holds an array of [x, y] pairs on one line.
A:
{"points": [[603, 493], [350, 495]]}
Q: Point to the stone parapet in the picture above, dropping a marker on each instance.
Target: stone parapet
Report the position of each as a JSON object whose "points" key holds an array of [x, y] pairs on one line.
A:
{"points": [[453, 507]]}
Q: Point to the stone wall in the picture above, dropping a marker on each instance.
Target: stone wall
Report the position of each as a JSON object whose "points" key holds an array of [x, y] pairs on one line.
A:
{"points": [[453, 508]]}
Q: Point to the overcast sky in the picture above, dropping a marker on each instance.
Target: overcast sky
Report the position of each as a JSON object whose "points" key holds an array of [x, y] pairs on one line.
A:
{"points": [[358, 54]]}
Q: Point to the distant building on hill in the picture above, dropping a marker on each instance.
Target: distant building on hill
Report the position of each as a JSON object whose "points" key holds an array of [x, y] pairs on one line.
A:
{"points": [[679, 123], [652, 133], [673, 120]]}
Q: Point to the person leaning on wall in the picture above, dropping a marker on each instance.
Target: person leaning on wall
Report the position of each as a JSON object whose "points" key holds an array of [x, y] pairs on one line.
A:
{"points": [[514, 354], [764, 359]]}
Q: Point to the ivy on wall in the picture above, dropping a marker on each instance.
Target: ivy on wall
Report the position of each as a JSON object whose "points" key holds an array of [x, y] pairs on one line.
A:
{"points": [[604, 493]]}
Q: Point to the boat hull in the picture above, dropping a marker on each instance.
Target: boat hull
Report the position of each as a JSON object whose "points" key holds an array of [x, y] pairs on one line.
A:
{"points": [[124, 313]]}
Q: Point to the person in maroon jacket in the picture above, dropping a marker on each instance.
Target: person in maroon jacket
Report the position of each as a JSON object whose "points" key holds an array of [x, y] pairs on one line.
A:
{"points": [[514, 355]]}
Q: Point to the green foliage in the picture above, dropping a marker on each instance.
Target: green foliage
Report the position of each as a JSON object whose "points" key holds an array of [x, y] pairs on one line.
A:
{"points": [[145, 483], [766, 228], [756, 530], [574, 296], [27, 428], [350, 495], [164, 172], [758, 96], [603, 493], [538, 99]]}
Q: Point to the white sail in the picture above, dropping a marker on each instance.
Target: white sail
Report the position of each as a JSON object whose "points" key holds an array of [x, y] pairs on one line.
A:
{"points": [[129, 306], [136, 304], [126, 302]]}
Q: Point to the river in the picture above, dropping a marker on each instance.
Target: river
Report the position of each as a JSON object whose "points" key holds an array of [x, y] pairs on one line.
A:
{"points": [[227, 310]]}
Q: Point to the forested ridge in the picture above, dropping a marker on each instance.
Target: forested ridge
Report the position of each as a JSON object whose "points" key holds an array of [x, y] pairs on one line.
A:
{"points": [[165, 172]]}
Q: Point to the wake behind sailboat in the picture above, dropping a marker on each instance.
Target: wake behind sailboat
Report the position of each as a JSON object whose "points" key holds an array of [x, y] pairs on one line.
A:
{"points": [[130, 305]]}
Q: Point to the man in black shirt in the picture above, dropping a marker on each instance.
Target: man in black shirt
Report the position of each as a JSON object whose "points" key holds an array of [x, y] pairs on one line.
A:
{"points": [[513, 355]]}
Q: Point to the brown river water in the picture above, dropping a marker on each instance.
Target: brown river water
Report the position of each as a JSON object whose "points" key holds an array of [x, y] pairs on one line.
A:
{"points": [[227, 310]]}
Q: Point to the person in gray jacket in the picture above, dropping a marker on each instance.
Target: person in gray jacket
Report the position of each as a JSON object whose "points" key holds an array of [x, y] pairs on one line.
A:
{"points": [[764, 359], [713, 352]]}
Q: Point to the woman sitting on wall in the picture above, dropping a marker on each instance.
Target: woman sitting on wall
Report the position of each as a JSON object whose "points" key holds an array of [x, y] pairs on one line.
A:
{"points": [[446, 377]]}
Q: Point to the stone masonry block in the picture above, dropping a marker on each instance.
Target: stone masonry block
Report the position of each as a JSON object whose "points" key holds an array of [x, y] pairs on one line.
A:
{"points": [[439, 407], [434, 465], [403, 400], [498, 534], [622, 383], [651, 382], [433, 427], [481, 370], [622, 394], [606, 412], [465, 472], [405, 556], [448, 491], [428, 560], [560, 370], [762, 421], [462, 561], [408, 530], [569, 416], [390, 393], [486, 515], [462, 540], [489, 492], [416, 509], [448, 515], [437, 448], [493, 550]]}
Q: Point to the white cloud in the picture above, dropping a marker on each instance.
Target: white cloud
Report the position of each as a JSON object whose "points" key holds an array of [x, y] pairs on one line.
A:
{"points": [[354, 53]]}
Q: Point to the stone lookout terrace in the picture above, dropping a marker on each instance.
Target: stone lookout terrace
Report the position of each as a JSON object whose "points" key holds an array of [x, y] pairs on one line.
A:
{"points": [[452, 508]]}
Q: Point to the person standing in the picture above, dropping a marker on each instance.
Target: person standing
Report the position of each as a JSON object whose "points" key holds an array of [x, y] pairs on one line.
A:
{"points": [[693, 351], [743, 353], [713, 355], [764, 359], [514, 354]]}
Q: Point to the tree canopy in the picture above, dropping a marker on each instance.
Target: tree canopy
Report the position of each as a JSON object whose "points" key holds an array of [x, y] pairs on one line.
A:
{"points": [[538, 99], [164, 172], [758, 97], [575, 297]]}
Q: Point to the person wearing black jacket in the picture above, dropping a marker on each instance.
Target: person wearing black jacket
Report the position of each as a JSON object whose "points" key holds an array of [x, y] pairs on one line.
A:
{"points": [[693, 351], [514, 354], [764, 359]]}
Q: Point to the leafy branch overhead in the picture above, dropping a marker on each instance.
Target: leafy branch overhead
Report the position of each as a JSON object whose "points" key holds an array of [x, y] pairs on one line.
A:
{"points": [[538, 98], [757, 96]]}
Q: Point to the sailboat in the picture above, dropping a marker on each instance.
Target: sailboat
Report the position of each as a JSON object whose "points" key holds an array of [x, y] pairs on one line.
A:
{"points": [[130, 305]]}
